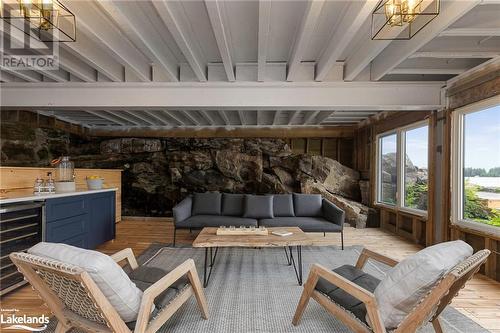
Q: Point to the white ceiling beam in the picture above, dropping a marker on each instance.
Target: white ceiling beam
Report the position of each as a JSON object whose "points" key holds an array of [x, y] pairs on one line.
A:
{"points": [[158, 115], [427, 71], [174, 116], [396, 53], [455, 54], [165, 12], [107, 116], [224, 117], [187, 114], [491, 65], [292, 117], [94, 23], [127, 116], [227, 95], [56, 75], [322, 117], [307, 25], [276, 117], [241, 117], [29, 76], [141, 116], [310, 117], [263, 37], [205, 116], [143, 35], [493, 32], [7, 77], [345, 32], [258, 118], [214, 8]]}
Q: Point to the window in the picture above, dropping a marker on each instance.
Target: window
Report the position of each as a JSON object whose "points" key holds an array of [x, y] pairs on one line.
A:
{"points": [[476, 166], [416, 142], [388, 169], [403, 167]]}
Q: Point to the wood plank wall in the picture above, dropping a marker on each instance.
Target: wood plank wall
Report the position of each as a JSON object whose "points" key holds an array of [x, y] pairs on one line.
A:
{"points": [[16, 181], [340, 149]]}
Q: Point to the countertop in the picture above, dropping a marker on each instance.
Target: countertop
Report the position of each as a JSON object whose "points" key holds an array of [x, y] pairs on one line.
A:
{"points": [[20, 196]]}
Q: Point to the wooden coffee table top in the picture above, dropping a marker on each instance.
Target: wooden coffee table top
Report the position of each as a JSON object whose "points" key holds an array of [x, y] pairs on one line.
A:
{"points": [[209, 238]]}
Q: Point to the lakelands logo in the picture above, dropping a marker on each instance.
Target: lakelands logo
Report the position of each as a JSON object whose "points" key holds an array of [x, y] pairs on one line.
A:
{"points": [[12, 321], [20, 46]]}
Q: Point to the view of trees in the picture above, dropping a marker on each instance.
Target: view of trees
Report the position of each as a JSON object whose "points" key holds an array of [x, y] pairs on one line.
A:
{"points": [[473, 172], [476, 209]]}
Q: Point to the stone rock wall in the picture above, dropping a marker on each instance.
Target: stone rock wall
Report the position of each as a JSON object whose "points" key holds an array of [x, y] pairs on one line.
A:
{"points": [[158, 173]]}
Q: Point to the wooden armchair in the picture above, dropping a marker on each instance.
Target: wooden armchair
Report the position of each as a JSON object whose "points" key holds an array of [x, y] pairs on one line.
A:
{"points": [[427, 310], [76, 300]]}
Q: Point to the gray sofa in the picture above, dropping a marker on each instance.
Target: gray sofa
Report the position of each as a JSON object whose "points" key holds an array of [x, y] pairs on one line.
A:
{"points": [[309, 212]]}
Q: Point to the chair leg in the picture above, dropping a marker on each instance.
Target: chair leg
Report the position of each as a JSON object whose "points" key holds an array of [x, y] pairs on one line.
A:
{"points": [[194, 279], [60, 328], [342, 238], [437, 325], [324, 234], [309, 286], [175, 231]]}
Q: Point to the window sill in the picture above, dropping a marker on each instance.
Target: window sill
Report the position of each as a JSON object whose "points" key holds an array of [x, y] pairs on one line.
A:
{"points": [[404, 210], [477, 228]]}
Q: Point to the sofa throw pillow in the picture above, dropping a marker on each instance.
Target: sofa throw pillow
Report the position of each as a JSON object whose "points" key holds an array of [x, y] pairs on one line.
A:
{"points": [[119, 290], [232, 204], [208, 203], [283, 205], [307, 204], [259, 207], [407, 282]]}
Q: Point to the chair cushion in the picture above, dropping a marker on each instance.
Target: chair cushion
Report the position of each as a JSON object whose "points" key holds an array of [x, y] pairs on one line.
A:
{"points": [[201, 221], [208, 203], [307, 204], [144, 277], [306, 224], [407, 282], [258, 207], [283, 205], [232, 204], [119, 290], [343, 298]]}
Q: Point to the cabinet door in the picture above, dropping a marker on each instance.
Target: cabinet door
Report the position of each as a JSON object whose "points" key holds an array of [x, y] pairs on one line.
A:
{"points": [[101, 218], [62, 208], [72, 231]]}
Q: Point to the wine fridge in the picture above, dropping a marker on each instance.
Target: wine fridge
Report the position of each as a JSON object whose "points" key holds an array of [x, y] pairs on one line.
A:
{"points": [[21, 226]]}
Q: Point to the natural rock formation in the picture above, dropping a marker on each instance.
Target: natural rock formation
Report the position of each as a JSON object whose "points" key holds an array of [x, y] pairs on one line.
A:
{"points": [[238, 166]]}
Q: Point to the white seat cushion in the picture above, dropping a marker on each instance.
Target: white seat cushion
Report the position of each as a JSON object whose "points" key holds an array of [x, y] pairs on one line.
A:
{"points": [[120, 291], [407, 282]]}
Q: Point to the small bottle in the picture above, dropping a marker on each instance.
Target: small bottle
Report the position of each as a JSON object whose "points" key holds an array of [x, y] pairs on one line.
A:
{"points": [[38, 187], [50, 186]]}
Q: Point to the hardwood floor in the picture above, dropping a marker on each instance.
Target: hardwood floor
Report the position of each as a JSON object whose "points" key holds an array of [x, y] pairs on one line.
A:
{"points": [[479, 300]]}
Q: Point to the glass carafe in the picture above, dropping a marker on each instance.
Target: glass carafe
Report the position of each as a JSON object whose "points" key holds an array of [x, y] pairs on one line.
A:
{"points": [[65, 170]]}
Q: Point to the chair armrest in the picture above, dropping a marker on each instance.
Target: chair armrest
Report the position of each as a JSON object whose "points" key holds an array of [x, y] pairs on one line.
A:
{"points": [[126, 254], [182, 210], [156, 289], [367, 254], [333, 213], [365, 296]]}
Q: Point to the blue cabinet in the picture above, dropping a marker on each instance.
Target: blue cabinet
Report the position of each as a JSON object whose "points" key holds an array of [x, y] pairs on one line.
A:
{"points": [[83, 220]]}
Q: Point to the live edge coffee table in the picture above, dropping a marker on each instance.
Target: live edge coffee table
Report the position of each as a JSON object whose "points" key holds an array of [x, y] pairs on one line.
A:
{"points": [[209, 240]]}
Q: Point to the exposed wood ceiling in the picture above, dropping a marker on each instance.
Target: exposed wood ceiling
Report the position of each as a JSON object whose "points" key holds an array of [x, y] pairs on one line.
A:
{"points": [[244, 43]]}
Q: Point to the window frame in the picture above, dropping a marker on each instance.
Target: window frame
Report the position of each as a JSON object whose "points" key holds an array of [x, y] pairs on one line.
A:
{"points": [[400, 169], [457, 163]]}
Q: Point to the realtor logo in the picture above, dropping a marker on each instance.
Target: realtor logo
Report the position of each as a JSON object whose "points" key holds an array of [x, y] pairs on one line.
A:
{"points": [[20, 49], [9, 320]]}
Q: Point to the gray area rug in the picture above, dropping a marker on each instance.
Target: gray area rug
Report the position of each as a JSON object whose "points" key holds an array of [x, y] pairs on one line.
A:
{"points": [[254, 290]]}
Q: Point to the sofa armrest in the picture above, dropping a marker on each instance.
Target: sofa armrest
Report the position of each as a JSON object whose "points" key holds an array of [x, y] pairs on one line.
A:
{"points": [[333, 213], [182, 210]]}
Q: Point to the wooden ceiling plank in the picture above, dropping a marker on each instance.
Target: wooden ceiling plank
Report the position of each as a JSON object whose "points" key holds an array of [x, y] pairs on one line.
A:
{"points": [[224, 117], [395, 54], [322, 117], [428, 71], [29, 76], [276, 117], [142, 34], [205, 116], [345, 32], [307, 25], [241, 117], [124, 115], [172, 114], [164, 10], [142, 116], [292, 117], [105, 115], [214, 8], [94, 23], [310, 117], [455, 54], [461, 32], [263, 38]]}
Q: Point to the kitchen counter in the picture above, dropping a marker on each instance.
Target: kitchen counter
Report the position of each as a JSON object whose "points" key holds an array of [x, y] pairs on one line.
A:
{"points": [[25, 195]]}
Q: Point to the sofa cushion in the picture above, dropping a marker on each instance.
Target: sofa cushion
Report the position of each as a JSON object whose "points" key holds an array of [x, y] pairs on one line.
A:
{"points": [[410, 280], [343, 298], [306, 224], [232, 204], [116, 286], [208, 203], [201, 221], [307, 204], [283, 205], [258, 207]]}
